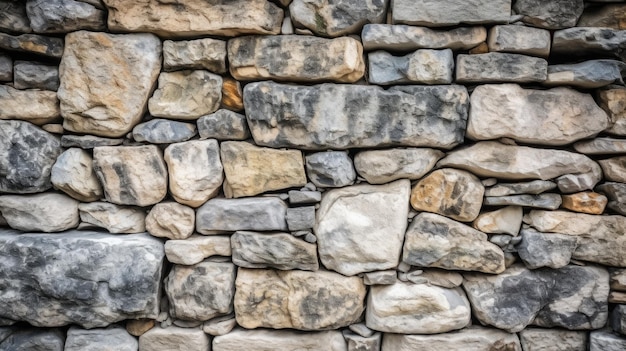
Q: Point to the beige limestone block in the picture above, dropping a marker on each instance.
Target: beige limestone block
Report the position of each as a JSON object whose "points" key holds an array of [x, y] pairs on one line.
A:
{"points": [[171, 220], [35, 106]]}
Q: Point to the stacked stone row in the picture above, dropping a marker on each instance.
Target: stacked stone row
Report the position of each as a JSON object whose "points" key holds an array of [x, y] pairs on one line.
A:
{"points": [[324, 175]]}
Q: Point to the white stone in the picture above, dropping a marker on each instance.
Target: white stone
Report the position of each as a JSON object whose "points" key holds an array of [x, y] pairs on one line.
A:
{"points": [[73, 174], [196, 248], [45, 212], [171, 220], [115, 219]]}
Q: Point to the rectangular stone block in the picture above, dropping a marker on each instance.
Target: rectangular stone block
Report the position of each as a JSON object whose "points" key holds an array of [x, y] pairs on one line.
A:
{"points": [[499, 67], [263, 340], [438, 13]]}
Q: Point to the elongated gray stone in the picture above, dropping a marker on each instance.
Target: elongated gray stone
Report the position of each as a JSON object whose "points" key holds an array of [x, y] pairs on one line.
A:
{"points": [[450, 12], [285, 340], [88, 141], [550, 14], [423, 66], [545, 249], [115, 219], [472, 338], [534, 187], [64, 16], [410, 38], [273, 250], [34, 75], [601, 340], [6, 66], [553, 339], [13, 17], [45, 212], [500, 67], [403, 115], [85, 278], [545, 201], [257, 214], [587, 75], [33, 44], [164, 131], [32, 339], [589, 40], [616, 192], [601, 146], [113, 338], [519, 40], [223, 125], [384, 166], [205, 53]]}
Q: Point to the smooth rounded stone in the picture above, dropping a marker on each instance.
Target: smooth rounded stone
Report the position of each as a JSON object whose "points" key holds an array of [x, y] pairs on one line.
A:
{"points": [[131, 175], [500, 67], [193, 18], [589, 40], [86, 278], [330, 169], [73, 174], [284, 340], [45, 212], [449, 192], [534, 187], [361, 228], [387, 277], [6, 66], [254, 213], [585, 202], [35, 75], [406, 308], [336, 18], [273, 250], [469, 339], [303, 58], [613, 102], [544, 201], [507, 220], [550, 14], [163, 131], [13, 17], [572, 297], [614, 169], [223, 125], [450, 12], [202, 291], [600, 238], [616, 193], [32, 339], [220, 325], [424, 66], [113, 338], [88, 141], [205, 53], [587, 75], [35, 106], [607, 16], [186, 94], [433, 116], [298, 197], [196, 248], [384, 166], [232, 94], [297, 299], [252, 170], [600, 340], [115, 219], [536, 339], [137, 327], [493, 159], [519, 40], [174, 338], [618, 319], [64, 16], [34, 44], [170, 220], [301, 218], [409, 38], [545, 249], [601, 146], [436, 241]]}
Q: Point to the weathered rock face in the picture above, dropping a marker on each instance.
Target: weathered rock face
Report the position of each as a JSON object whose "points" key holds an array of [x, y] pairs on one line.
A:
{"points": [[384, 166], [604, 340], [34, 75], [519, 40], [100, 340], [172, 338], [163, 131], [473, 338], [551, 14], [607, 16], [409, 38], [361, 228], [558, 340], [613, 103], [85, 278], [6, 67], [614, 168], [410, 115], [572, 297], [450, 12], [35, 106], [63, 16], [170, 220], [223, 125], [106, 80], [545, 249], [13, 17], [299, 300], [33, 44], [616, 192], [506, 220], [585, 202], [423, 66], [618, 319], [500, 67], [207, 53], [407, 308], [257, 340], [195, 17], [73, 174], [330, 169], [302, 58], [574, 41], [88, 141], [545, 201], [587, 75], [533, 187], [46, 212], [196, 248], [257, 214], [32, 339], [601, 146], [115, 219], [273, 250]]}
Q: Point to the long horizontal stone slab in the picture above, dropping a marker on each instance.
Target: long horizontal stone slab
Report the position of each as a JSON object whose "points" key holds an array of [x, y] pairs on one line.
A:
{"points": [[86, 278], [450, 12], [589, 40], [353, 116], [408, 38], [286, 340]]}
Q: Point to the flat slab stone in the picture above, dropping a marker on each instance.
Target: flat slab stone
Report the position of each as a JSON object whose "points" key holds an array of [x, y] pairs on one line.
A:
{"points": [[551, 14], [519, 40], [63, 16], [257, 214], [409, 38], [31, 339], [88, 141], [33, 44], [196, 248], [558, 340], [273, 250], [533, 187], [205, 53], [45, 212], [601, 146], [432, 116], [284, 340], [500, 67], [172, 338], [544, 201], [472, 338], [164, 131], [86, 278], [423, 66], [384, 166], [589, 40], [100, 339], [115, 219], [450, 12], [587, 75], [35, 106]]}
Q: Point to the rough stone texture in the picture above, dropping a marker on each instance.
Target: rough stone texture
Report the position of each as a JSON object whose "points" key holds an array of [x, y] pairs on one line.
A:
{"points": [[361, 228], [613, 102], [33, 44], [232, 94], [195, 171], [409, 38], [206, 53], [46, 212], [63, 16], [6, 66], [384, 166], [423, 66], [88, 141], [587, 75], [545, 201], [32, 339], [114, 338], [273, 250], [35, 75], [533, 187], [73, 174], [163, 131], [299, 197], [202, 291], [545, 249], [301, 218], [572, 297], [442, 278], [449, 192], [170, 220], [410, 115], [601, 146], [616, 193], [298, 299], [551, 14], [35, 106], [534, 339], [585, 202], [13, 17], [257, 214], [174, 338], [195, 17], [436, 241], [131, 175], [450, 12], [416, 309], [296, 58], [519, 40], [196, 248], [551, 117], [500, 67], [115, 219], [223, 125], [85, 278], [506, 220], [469, 339], [614, 169], [248, 172], [618, 279], [608, 16], [606, 341], [360, 343], [220, 325], [330, 169], [585, 40], [287, 340], [618, 319], [380, 277]]}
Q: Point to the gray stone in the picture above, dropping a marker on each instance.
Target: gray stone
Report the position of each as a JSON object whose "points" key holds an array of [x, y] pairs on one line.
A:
{"points": [[507, 220], [414, 115], [387, 277], [301, 218], [113, 338], [254, 213], [330, 169], [588, 40], [606, 341], [436, 241], [33, 44], [545, 249], [173, 338], [6, 66], [32, 339], [601, 146], [500, 67], [473, 338], [34, 75], [544, 201], [273, 250], [587, 75], [284, 340], [88, 141], [73, 174], [362, 343], [35, 106], [338, 17], [310, 238], [384, 166], [573, 183], [616, 193], [572, 297], [362, 330], [551, 14], [618, 319], [614, 169], [205, 53], [46, 212], [519, 40], [170, 220], [196, 248], [223, 125], [163, 131], [613, 101], [438, 277], [63, 16], [450, 12], [220, 325], [298, 197], [423, 66], [115, 219], [553, 340], [13, 17], [409, 38], [85, 278], [618, 279]]}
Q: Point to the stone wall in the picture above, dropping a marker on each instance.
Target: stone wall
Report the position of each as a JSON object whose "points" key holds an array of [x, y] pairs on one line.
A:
{"points": [[312, 175]]}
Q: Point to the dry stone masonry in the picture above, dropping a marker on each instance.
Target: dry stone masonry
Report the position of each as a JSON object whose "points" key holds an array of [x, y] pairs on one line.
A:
{"points": [[343, 175]]}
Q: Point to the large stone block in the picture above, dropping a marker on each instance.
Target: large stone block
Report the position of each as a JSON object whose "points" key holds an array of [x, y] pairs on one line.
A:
{"points": [[424, 66], [468, 339], [63, 16], [254, 213], [579, 41], [273, 250], [114, 338], [284, 340], [520, 40], [450, 12], [45, 212]]}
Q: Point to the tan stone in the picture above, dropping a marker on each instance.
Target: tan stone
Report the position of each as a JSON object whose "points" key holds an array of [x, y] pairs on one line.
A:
{"points": [[614, 169], [617, 297], [232, 94], [252, 170], [613, 101], [618, 279], [284, 340], [115, 219], [506, 220], [137, 327], [35, 106], [171, 220], [585, 202], [196, 248]]}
